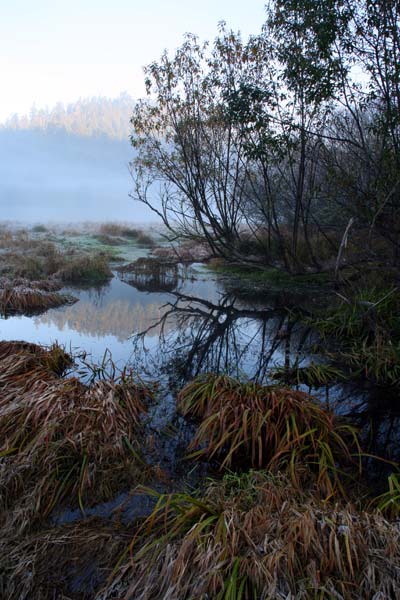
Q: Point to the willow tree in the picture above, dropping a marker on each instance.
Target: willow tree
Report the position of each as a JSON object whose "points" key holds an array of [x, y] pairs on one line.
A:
{"points": [[213, 143], [189, 150], [272, 141]]}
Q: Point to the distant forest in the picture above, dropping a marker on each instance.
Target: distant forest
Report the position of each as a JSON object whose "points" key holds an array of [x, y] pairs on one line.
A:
{"points": [[86, 117], [69, 163]]}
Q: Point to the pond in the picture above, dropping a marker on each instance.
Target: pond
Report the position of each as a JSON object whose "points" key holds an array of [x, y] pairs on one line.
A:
{"points": [[198, 325]]}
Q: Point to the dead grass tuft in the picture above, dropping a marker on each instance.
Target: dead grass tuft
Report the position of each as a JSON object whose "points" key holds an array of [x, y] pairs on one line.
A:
{"points": [[22, 300], [250, 425], [62, 440], [256, 536]]}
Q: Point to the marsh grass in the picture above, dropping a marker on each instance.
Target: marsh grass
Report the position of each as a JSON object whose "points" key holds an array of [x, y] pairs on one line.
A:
{"points": [[366, 328], [364, 314], [389, 501], [313, 375], [60, 439], [17, 299], [111, 231], [250, 425], [37, 259], [85, 269], [264, 540]]}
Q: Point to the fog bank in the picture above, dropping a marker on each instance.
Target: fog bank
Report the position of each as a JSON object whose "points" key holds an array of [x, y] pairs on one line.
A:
{"points": [[54, 176]]}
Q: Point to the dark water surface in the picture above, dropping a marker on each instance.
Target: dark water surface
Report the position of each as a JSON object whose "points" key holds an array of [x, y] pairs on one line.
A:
{"points": [[196, 326]]}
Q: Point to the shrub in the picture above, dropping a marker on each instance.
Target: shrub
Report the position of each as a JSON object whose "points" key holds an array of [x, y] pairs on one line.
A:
{"points": [[39, 229]]}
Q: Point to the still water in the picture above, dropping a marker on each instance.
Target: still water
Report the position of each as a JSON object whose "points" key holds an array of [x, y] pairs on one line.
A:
{"points": [[199, 326], [196, 326]]}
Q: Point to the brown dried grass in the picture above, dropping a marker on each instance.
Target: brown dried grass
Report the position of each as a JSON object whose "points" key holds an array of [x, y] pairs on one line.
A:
{"points": [[62, 440], [259, 538], [29, 300]]}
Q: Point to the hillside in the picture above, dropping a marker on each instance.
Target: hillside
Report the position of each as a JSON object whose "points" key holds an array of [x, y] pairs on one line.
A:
{"points": [[86, 117], [69, 165]]}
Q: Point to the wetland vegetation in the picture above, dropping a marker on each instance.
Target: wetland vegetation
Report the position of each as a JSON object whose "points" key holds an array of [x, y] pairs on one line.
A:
{"points": [[210, 409], [226, 430]]}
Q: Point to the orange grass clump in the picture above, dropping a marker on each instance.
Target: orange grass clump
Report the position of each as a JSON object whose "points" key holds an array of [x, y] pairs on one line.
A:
{"points": [[59, 438], [28, 300], [250, 425], [256, 536]]}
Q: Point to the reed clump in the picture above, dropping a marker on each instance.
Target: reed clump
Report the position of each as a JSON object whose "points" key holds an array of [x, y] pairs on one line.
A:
{"points": [[85, 269], [62, 440], [257, 536], [250, 425], [22, 299]]}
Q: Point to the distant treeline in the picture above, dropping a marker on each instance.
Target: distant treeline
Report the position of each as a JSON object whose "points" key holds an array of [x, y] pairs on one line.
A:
{"points": [[87, 117]]}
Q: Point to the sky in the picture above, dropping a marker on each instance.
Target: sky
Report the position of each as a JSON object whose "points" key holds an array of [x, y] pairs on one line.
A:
{"points": [[61, 50]]}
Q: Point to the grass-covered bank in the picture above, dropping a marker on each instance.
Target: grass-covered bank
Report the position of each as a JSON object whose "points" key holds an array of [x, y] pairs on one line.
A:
{"points": [[37, 263], [287, 512]]}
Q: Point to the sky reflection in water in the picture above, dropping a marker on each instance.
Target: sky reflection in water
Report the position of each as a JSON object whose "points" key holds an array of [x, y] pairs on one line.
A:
{"points": [[171, 337], [204, 329]]}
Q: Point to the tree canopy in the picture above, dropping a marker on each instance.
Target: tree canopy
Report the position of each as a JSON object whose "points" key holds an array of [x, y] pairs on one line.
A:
{"points": [[268, 148]]}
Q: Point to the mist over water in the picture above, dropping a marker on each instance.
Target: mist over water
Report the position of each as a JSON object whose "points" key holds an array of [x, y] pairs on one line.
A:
{"points": [[53, 176]]}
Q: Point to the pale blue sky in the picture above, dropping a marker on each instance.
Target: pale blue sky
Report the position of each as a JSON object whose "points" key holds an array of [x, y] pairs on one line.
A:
{"points": [[60, 50]]}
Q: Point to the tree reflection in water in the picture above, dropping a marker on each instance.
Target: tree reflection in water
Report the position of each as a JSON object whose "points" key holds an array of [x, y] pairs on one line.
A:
{"points": [[197, 335]]}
